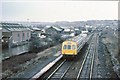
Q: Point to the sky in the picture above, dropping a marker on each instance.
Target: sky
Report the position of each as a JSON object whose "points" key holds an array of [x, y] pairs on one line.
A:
{"points": [[51, 11]]}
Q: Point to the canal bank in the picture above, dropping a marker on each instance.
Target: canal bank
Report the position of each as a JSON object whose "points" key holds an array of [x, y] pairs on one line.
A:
{"points": [[9, 52]]}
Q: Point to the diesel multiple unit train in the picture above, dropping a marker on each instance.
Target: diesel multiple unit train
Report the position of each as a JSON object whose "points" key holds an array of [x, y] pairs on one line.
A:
{"points": [[72, 46]]}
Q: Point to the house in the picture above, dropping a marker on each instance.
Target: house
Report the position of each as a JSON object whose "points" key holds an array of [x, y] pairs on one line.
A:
{"points": [[77, 31], [37, 32], [0, 31], [0, 38], [15, 34], [68, 32], [53, 30], [84, 32], [0, 34], [53, 33]]}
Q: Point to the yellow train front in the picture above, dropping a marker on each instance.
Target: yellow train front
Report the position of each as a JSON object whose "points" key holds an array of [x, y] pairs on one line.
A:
{"points": [[69, 48]]}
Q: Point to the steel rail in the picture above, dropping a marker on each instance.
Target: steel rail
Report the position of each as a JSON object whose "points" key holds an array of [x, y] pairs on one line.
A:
{"points": [[83, 63], [61, 77], [66, 71], [56, 70], [91, 71], [81, 68]]}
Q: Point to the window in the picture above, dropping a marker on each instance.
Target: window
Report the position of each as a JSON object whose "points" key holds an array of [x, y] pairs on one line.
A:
{"points": [[18, 35], [69, 46], [73, 47], [23, 34], [64, 47], [28, 35]]}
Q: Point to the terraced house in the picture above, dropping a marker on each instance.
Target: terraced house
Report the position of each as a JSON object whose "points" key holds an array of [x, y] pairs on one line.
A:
{"points": [[14, 34], [0, 34]]}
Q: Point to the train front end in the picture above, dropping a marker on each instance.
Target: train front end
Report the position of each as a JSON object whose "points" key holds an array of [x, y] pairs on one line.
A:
{"points": [[69, 48]]}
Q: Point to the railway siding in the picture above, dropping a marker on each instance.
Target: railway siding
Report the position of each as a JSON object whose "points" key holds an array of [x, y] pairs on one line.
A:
{"points": [[86, 70]]}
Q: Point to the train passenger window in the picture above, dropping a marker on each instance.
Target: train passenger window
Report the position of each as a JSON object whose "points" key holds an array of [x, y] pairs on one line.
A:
{"points": [[69, 46], [64, 47], [73, 47]]}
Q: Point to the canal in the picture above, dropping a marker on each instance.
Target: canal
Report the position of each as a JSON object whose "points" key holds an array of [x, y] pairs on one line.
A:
{"points": [[6, 53]]}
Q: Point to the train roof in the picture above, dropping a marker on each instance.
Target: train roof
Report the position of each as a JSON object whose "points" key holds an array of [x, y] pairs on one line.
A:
{"points": [[68, 41], [76, 39]]}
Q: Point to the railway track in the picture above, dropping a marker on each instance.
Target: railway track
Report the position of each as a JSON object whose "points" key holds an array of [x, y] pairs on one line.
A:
{"points": [[60, 71], [85, 69]]}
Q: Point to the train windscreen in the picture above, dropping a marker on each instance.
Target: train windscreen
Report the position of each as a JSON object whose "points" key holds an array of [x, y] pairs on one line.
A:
{"points": [[69, 46], [73, 47], [64, 47]]}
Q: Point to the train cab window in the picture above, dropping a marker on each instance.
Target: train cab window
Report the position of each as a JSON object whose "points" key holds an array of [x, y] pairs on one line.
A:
{"points": [[69, 46], [73, 47], [64, 47]]}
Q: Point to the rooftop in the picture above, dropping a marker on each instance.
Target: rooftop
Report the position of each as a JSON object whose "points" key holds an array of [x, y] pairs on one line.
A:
{"points": [[14, 27]]}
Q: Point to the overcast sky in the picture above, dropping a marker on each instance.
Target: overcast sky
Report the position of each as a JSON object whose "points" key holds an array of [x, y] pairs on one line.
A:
{"points": [[50, 11]]}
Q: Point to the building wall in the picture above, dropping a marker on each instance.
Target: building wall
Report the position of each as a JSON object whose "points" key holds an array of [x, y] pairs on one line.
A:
{"points": [[19, 36], [23, 36], [16, 36], [27, 35], [0, 34]]}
